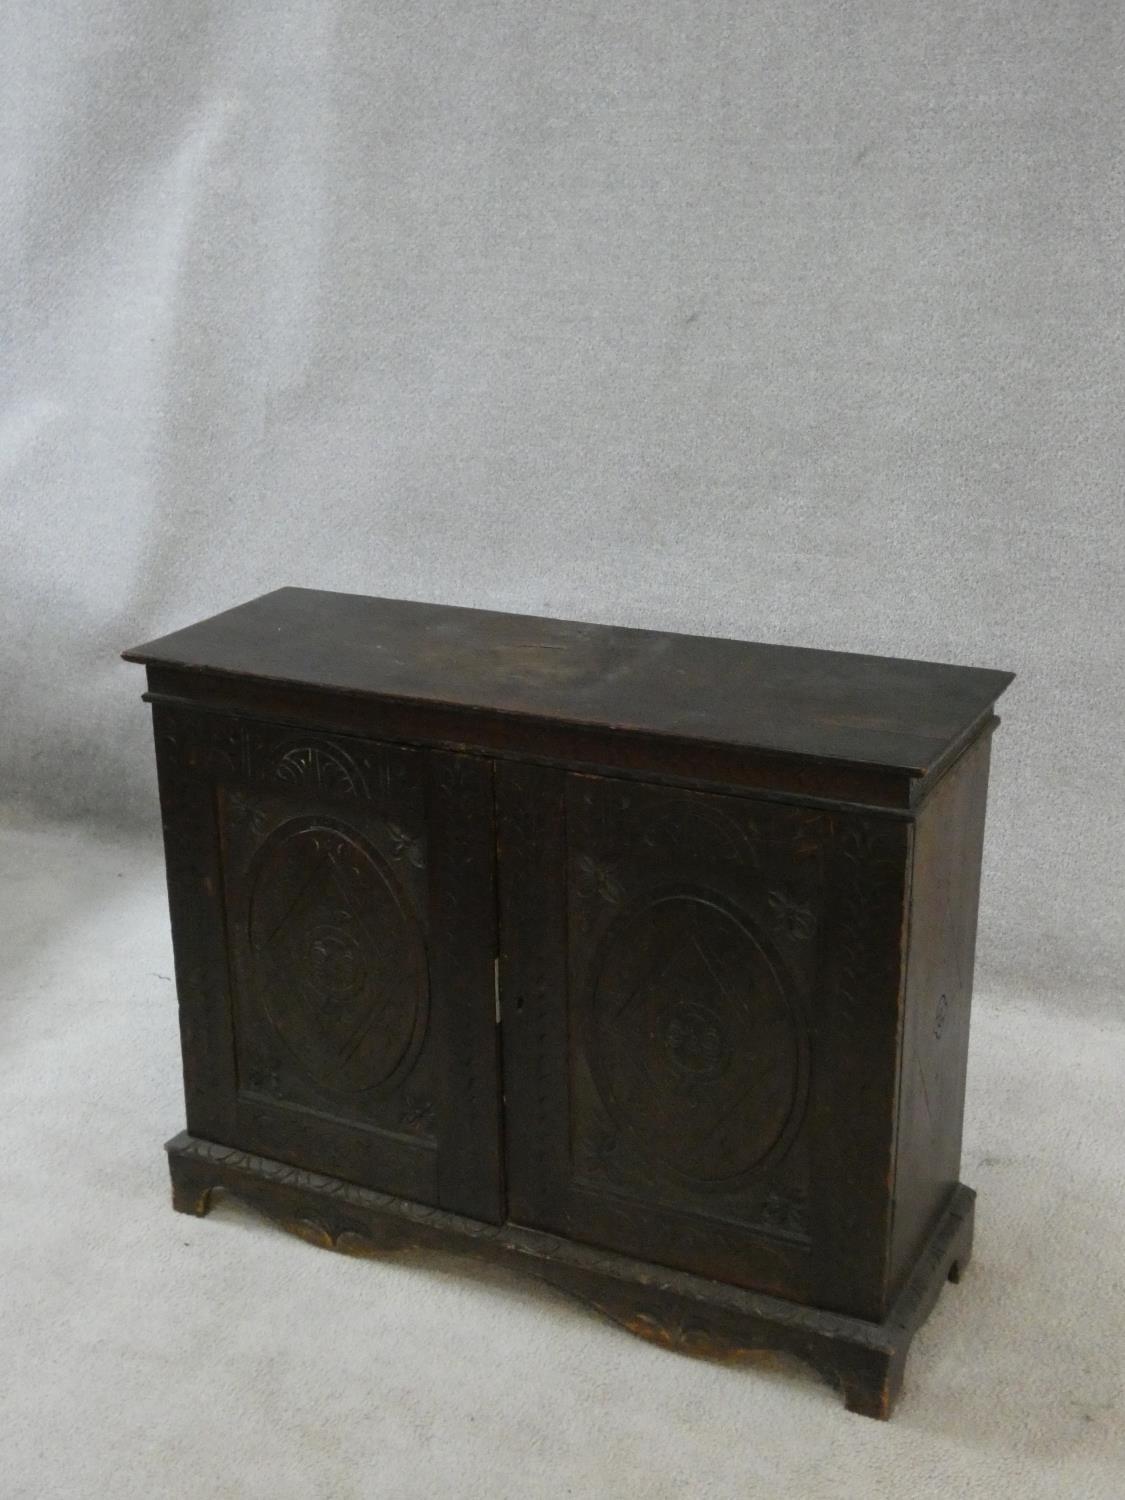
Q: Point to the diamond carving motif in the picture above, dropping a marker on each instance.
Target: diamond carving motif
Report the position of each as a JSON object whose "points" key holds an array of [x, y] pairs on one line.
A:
{"points": [[695, 1048], [338, 960]]}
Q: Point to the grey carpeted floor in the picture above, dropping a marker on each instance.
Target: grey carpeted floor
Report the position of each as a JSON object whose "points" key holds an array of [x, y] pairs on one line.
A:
{"points": [[148, 1355]]}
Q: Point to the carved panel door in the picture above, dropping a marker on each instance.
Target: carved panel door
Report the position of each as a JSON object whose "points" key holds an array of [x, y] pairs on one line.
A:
{"points": [[660, 954], [352, 1028]]}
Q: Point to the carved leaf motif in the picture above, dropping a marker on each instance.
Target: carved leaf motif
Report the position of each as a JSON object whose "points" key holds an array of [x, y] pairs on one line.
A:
{"points": [[859, 843], [406, 848], [792, 915], [601, 1147], [205, 742], [784, 1213], [417, 1115], [594, 880], [265, 1079], [244, 810], [702, 831]]}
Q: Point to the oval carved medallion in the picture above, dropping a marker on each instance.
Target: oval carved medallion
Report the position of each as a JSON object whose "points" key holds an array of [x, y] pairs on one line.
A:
{"points": [[338, 960], [698, 1054]]}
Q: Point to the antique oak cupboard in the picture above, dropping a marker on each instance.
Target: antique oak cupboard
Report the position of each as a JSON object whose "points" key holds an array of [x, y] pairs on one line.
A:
{"points": [[641, 961]]}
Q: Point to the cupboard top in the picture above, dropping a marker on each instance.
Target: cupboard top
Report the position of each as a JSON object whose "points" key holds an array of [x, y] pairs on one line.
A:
{"points": [[884, 712]]}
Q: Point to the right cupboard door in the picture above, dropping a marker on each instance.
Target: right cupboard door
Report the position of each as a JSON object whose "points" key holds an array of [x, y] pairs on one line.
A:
{"points": [[698, 1058]]}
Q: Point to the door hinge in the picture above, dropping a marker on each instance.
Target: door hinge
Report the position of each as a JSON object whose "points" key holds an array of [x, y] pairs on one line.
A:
{"points": [[496, 985]]}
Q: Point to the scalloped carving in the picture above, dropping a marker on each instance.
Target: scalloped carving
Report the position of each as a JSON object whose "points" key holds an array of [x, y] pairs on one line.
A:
{"points": [[677, 1310], [323, 766]]}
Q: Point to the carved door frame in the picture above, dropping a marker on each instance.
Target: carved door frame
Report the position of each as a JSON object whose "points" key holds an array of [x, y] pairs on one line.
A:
{"points": [[310, 878], [794, 899]]}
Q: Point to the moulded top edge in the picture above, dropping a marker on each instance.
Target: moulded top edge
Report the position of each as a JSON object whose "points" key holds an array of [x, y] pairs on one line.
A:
{"points": [[884, 712]]}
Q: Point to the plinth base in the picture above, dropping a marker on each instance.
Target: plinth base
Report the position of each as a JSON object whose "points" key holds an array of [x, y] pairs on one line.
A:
{"points": [[688, 1313]]}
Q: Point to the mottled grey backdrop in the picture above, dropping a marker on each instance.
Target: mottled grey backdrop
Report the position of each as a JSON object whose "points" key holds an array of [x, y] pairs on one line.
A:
{"points": [[800, 322]]}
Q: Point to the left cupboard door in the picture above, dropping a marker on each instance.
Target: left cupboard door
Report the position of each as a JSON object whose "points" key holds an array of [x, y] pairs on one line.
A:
{"points": [[334, 924]]}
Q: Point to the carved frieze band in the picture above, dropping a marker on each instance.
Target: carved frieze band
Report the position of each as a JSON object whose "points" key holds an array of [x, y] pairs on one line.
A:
{"points": [[221, 747], [254, 755], [428, 1222]]}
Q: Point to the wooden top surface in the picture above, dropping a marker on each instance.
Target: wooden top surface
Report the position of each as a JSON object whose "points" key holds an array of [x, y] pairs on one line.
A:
{"points": [[866, 710]]}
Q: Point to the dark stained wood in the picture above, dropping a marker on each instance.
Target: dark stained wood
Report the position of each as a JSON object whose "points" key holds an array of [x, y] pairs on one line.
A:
{"points": [[463, 940], [686, 1313], [837, 706], [675, 960], [195, 899], [681, 994], [531, 844], [644, 961], [322, 1024], [945, 886], [693, 763], [859, 1012]]}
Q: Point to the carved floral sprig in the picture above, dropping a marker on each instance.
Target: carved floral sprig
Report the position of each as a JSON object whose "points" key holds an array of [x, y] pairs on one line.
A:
{"points": [[404, 847], [596, 880], [792, 915]]}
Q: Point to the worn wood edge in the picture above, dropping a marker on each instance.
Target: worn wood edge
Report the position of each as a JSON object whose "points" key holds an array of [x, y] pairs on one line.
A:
{"points": [[677, 1310], [890, 790], [925, 786]]}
